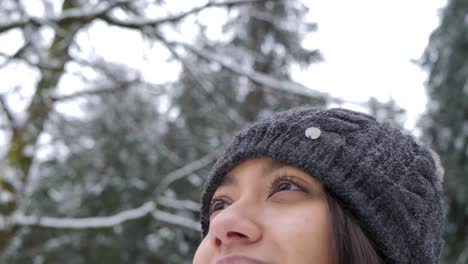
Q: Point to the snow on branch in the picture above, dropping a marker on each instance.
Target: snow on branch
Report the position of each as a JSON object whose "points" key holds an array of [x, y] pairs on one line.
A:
{"points": [[138, 24], [176, 220], [87, 14], [6, 110], [88, 222], [89, 92], [179, 204], [122, 87], [114, 220], [83, 14], [148, 208], [106, 221], [257, 77], [183, 172], [204, 83], [15, 24]]}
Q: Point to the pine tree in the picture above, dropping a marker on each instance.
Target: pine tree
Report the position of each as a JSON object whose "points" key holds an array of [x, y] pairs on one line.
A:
{"points": [[445, 125], [131, 136]]}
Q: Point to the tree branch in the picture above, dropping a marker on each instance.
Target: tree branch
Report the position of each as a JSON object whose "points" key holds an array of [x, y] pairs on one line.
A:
{"points": [[88, 92], [269, 18], [145, 209], [83, 14], [174, 18], [6, 110], [106, 221], [20, 55], [179, 204], [257, 77], [183, 172], [83, 223], [15, 24], [207, 86], [176, 220], [89, 13]]}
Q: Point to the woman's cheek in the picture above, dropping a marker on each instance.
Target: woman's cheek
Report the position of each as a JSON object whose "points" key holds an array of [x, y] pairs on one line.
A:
{"points": [[302, 231]]}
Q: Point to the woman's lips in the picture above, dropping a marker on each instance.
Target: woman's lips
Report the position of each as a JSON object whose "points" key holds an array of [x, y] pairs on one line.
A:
{"points": [[236, 259]]}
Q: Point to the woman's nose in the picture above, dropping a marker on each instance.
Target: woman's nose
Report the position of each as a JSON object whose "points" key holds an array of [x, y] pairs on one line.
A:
{"points": [[234, 225]]}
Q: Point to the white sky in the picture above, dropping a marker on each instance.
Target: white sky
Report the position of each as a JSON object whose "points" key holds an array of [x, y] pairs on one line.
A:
{"points": [[368, 46]]}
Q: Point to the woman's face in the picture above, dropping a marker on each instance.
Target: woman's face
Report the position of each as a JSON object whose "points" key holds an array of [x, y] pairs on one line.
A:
{"points": [[268, 212]]}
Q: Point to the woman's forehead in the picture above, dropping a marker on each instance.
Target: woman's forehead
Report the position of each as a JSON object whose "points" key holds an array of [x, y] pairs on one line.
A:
{"points": [[265, 164]]}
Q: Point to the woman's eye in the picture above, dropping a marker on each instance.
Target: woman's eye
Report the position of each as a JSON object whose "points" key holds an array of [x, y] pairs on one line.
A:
{"points": [[285, 183], [286, 186], [217, 204]]}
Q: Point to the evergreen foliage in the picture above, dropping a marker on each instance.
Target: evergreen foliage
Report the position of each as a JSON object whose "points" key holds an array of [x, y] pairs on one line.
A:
{"points": [[445, 126], [132, 135]]}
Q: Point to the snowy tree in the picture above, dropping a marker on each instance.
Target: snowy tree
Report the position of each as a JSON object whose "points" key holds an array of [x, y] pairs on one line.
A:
{"points": [[445, 125], [118, 180]]}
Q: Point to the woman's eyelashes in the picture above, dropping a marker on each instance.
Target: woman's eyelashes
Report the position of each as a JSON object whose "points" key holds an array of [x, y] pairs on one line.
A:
{"points": [[284, 182], [280, 183], [217, 203]]}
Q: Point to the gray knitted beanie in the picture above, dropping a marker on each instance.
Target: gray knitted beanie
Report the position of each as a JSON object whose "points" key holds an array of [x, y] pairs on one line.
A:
{"points": [[391, 184]]}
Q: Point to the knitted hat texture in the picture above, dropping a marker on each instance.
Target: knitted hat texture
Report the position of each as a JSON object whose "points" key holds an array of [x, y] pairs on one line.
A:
{"points": [[391, 184]]}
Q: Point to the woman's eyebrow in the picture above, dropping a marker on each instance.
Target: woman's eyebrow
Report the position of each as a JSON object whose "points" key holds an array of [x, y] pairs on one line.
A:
{"points": [[230, 179], [271, 167]]}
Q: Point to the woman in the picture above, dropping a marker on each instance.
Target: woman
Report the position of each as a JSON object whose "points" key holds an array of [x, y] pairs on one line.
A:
{"points": [[322, 186]]}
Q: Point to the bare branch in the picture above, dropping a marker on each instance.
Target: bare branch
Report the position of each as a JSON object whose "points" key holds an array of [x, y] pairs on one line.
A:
{"points": [[206, 85], [257, 77], [191, 69], [179, 204], [171, 19], [82, 14], [20, 55], [263, 79], [121, 87], [89, 13], [41, 65], [89, 92], [15, 24], [7, 111], [183, 172]]}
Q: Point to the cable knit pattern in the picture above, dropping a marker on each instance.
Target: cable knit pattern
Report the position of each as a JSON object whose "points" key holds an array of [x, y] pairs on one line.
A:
{"points": [[391, 184]]}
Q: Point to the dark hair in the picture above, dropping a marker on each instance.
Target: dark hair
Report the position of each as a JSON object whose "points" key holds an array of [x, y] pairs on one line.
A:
{"points": [[349, 243]]}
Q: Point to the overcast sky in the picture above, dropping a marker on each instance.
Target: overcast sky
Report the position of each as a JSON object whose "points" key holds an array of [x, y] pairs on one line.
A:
{"points": [[368, 46]]}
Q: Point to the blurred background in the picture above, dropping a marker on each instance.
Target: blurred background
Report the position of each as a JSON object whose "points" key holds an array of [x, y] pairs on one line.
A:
{"points": [[112, 112]]}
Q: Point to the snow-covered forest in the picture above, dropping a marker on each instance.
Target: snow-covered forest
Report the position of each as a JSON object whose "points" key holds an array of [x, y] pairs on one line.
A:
{"points": [[113, 111]]}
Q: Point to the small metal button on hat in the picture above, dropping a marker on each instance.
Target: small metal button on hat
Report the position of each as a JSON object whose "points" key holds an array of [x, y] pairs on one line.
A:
{"points": [[313, 132]]}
